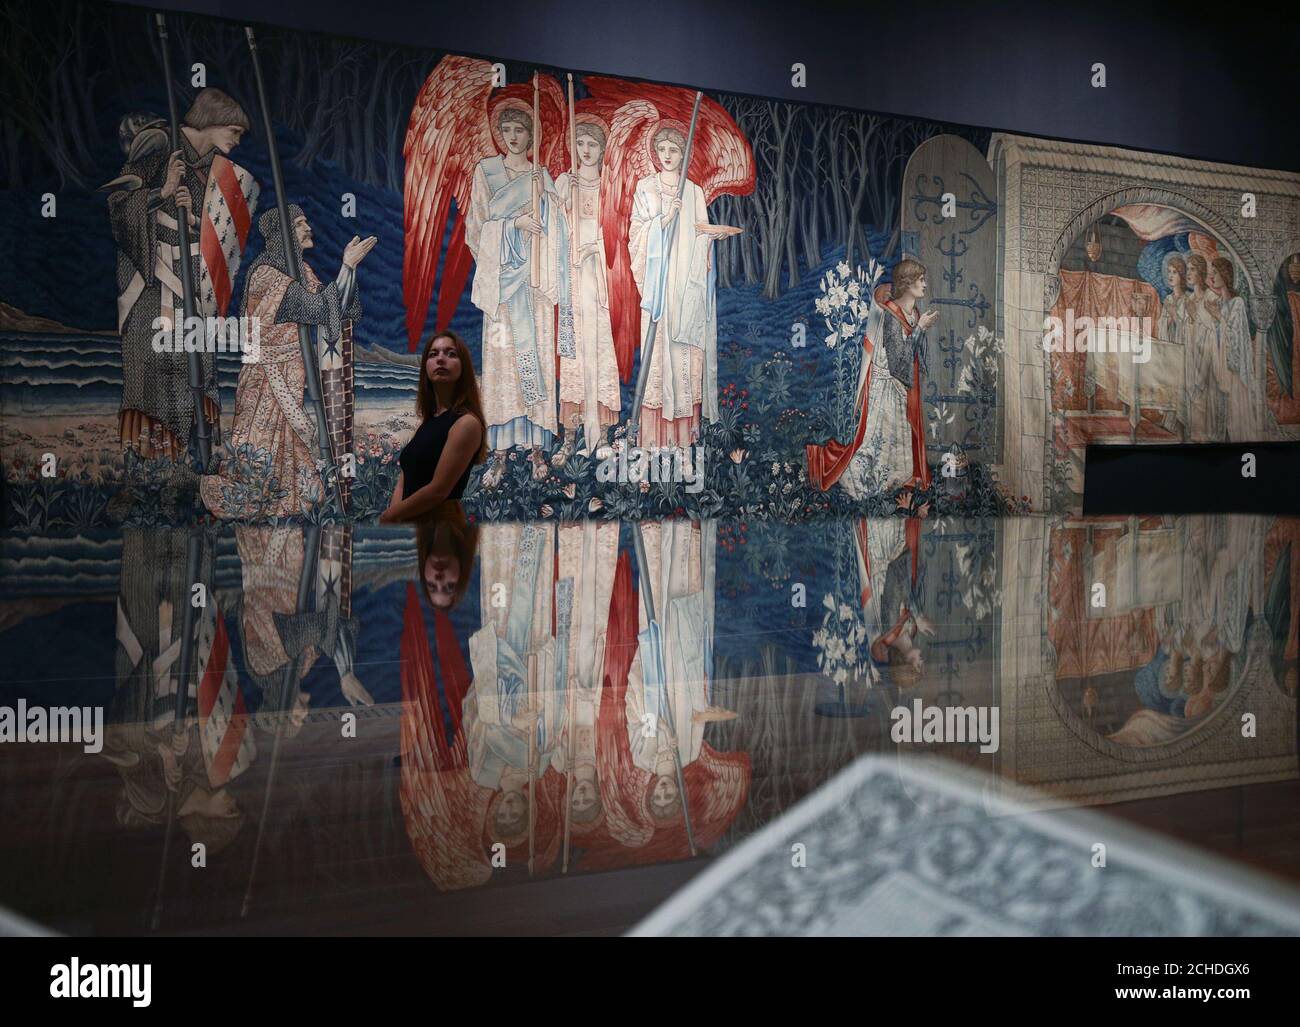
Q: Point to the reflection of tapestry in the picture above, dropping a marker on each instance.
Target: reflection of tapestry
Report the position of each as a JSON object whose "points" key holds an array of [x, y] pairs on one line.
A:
{"points": [[1286, 533], [1089, 646]]}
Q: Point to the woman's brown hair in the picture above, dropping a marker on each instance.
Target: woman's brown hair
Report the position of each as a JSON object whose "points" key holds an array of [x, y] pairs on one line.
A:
{"points": [[446, 531], [466, 397]]}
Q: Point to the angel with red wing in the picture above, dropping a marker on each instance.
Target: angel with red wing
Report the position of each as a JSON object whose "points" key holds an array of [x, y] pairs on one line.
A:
{"points": [[485, 148], [643, 812], [661, 271], [466, 799]]}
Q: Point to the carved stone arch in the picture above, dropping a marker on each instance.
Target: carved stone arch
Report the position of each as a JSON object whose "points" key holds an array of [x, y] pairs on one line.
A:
{"points": [[1261, 311], [1289, 246]]}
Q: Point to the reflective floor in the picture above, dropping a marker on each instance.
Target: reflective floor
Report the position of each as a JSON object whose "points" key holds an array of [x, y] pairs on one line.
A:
{"points": [[550, 729]]}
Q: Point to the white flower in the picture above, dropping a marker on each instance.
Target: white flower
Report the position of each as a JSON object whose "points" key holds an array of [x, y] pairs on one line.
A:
{"points": [[855, 288], [776, 468], [832, 339], [828, 602], [823, 308], [847, 330], [843, 268], [837, 296]]}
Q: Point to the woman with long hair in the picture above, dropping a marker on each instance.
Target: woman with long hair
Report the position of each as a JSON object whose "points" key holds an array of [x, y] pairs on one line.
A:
{"points": [[436, 462], [446, 545]]}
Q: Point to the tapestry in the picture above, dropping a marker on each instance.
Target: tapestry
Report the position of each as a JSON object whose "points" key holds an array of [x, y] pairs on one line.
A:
{"points": [[676, 303]]}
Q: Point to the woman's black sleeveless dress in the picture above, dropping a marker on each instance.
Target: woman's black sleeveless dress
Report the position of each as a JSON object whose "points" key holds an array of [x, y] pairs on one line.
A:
{"points": [[420, 457]]}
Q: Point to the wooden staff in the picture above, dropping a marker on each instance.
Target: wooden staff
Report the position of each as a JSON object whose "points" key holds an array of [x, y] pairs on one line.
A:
{"points": [[569, 767], [532, 761], [315, 401], [535, 268], [575, 265], [573, 194], [193, 361]]}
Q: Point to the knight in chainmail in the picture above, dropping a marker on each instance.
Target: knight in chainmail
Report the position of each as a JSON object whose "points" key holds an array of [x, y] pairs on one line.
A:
{"points": [[157, 412]]}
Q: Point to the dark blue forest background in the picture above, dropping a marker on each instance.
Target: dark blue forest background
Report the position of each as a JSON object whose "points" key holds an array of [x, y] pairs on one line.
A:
{"points": [[340, 108]]}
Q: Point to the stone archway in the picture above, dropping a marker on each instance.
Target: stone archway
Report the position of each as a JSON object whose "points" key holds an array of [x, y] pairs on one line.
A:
{"points": [[1261, 308], [1049, 191]]}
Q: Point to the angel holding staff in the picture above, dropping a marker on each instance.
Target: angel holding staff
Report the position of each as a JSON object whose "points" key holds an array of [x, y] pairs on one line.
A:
{"points": [[472, 141], [487, 149], [678, 286], [659, 240]]}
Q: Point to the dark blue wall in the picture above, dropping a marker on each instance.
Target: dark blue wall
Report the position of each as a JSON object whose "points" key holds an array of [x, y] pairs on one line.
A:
{"points": [[1217, 82]]}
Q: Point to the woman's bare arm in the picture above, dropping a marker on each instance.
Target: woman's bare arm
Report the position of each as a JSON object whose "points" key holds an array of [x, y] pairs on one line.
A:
{"points": [[462, 443], [397, 492]]}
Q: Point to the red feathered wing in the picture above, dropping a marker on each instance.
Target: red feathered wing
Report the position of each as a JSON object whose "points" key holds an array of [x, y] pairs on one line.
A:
{"points": [[446, 137], [443, 807], [721, 162]]}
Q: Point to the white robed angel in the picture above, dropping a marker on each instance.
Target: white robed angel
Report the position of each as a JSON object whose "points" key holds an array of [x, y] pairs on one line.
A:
{"points": [[658, 242], [477, 145], [481, 146]]}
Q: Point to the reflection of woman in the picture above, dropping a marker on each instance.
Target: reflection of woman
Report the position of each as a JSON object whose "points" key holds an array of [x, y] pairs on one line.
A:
{"points": [[436, 462], [466, 793], [589, 392], [446, 545]]}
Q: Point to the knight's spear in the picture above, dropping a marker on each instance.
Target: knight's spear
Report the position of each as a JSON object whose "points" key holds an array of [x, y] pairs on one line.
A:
{"points": [[305, 343], [654, 673], [183, 674], [193, 359]]}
